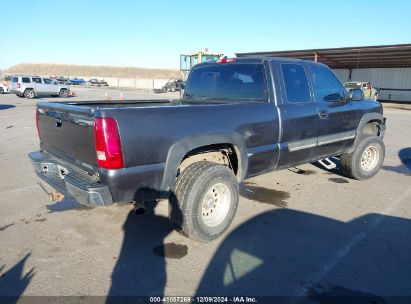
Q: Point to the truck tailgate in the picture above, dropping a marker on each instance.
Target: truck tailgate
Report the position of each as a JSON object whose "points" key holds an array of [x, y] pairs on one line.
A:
{"points": [[66, 131]]}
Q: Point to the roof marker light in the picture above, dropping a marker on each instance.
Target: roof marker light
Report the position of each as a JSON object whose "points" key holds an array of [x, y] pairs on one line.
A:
{"points": [[226, 60]]}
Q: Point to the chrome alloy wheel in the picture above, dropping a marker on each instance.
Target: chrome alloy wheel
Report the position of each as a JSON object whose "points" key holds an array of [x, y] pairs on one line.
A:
{"points": [[216, 204], [370, 158]]}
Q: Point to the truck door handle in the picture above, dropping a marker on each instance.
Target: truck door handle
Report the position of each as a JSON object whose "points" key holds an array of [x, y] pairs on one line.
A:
{"points": [[323, 114]]}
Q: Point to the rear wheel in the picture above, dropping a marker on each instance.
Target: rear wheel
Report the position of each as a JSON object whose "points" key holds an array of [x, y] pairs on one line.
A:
{"points": [[29, 93], [63, 93], [205, 201], [366, 159]]}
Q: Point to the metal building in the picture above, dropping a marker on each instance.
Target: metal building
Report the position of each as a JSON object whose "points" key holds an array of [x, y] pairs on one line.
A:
{"points": [[387, 67]]}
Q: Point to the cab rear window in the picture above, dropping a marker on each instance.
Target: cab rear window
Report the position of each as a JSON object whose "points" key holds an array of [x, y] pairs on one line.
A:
{"points": [[227, 82], [295, 82]]}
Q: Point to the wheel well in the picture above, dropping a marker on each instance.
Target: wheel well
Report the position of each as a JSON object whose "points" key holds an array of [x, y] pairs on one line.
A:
{"points": [[372, 127], [225, 154]]}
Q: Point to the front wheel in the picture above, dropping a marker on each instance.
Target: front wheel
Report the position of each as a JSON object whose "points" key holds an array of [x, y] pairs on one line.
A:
{"points": [[366, 160], [63, 93], [205, 201]]}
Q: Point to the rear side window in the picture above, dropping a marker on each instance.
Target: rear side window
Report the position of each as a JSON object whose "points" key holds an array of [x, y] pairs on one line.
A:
{"points": [[36, 80], [295, 82], [26, 80], [326, 86], [227, 81], [15, 79]]}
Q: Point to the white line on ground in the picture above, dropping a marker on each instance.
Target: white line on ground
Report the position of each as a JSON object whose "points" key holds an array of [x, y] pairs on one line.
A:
{"points": [[325, 268], [18, 189]]}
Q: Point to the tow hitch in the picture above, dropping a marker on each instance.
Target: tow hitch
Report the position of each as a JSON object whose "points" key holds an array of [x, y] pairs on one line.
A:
{"points": [[54, 196]]}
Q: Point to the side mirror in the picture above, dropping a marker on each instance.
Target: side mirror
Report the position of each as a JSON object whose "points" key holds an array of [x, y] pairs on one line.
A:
{"points": [[182, 85], [356, 95]]}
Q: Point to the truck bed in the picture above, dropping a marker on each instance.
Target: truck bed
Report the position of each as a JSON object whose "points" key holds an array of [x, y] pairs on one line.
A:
{"points": [[66, 128]]}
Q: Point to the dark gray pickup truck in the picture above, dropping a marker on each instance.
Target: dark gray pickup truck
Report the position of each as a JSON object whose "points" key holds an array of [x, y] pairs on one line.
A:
{"points": [[238, 118]]}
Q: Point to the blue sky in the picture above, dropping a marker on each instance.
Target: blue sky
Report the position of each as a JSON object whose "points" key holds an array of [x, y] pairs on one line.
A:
{"points": [[154, 33]]}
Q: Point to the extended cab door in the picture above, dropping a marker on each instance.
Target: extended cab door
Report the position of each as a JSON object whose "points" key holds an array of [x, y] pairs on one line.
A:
{"points": [[299, 114], [338, 119]]}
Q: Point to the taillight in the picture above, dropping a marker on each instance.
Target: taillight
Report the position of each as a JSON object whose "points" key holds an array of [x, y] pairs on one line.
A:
{"points": [[18, 85], [37, 123], [108, 145]]}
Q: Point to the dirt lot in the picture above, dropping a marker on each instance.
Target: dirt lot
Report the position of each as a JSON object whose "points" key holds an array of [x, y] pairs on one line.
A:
{"points": [[299, 232]]}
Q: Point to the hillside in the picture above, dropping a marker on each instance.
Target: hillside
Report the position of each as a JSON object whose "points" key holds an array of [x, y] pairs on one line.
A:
{"points": [[88, 70]]}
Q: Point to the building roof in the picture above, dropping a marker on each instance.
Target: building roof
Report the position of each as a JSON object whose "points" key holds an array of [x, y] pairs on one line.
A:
{"points": [[381, 56]]}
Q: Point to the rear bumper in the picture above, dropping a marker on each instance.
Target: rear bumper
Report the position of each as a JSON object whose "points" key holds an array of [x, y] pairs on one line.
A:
{"points": [[15, 91], [70, 181]]}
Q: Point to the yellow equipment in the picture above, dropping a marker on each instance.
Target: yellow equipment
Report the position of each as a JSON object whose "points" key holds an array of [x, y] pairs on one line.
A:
{"points": [[188, 61]]}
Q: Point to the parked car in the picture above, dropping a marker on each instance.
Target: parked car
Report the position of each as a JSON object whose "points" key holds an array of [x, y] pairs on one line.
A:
{"points": [[97, 83], [238, 118], [62, 80], [369, 91], [3, 88], [173, 85], [77, 81], [32, 86]]}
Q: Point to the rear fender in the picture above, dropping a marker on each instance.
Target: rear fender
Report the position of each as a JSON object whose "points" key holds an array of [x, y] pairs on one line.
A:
{"points": [[179, 149]]}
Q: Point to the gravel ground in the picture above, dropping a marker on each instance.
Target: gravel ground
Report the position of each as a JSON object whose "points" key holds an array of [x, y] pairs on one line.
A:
{"points": [[300, 232]]}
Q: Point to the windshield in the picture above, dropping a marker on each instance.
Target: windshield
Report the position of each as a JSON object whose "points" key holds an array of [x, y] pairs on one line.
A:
{"points": [[227, 82]]}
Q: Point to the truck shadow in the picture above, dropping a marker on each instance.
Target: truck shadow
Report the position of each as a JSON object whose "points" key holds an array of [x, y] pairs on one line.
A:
{"points": [[292, 254], [140, 268], [66, 204], [405, 157], [14, 281], [6, 106]]}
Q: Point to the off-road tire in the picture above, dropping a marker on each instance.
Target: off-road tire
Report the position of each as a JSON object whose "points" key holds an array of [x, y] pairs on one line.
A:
{"points": [[186, 202], [29, 94], [352, 163]]}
